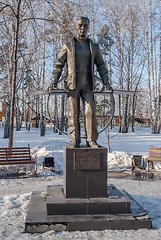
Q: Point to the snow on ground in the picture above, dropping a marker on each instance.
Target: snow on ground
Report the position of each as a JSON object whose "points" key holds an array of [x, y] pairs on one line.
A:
{"points": [[15, 193]]}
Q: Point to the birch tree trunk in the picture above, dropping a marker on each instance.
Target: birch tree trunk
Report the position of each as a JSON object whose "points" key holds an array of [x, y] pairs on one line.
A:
{"points": [[14, 76], [159, 79], [7, 118], [17, 112], [42, 117], [9, 72], [30, 118], [22, 116], [55, 114], [126, 105], [92, 20], [61, 123], [121, 84], [133, 112]]}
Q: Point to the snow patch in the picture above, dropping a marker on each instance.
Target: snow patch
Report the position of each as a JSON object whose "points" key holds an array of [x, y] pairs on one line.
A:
{"points": [[118, 160]]}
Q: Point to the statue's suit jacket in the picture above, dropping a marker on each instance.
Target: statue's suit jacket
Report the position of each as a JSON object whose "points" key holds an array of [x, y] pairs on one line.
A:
{"points": [[67, 55]]}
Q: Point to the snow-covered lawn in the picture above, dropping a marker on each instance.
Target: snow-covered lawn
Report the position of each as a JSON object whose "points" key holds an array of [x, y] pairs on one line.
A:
{"points": [[15, 193]]}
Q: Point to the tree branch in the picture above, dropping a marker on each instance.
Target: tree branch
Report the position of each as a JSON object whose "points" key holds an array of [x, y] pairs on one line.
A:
{"points": [[33, 18], [7, 5], [50, 4]]}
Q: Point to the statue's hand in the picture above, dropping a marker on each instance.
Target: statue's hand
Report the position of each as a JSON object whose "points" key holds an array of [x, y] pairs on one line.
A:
{"points": [[107, 87], [52, 86]]}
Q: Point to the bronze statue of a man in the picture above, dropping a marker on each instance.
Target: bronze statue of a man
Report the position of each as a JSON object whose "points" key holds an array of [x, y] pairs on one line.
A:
{"points": [[81, 54]]}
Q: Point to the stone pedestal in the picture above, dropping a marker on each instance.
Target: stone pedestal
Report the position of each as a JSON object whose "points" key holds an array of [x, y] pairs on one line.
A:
{"points": [[85, 172], [44, 214]]}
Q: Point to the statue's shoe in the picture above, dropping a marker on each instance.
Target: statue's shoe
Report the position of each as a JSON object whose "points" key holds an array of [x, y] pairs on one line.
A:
{"points": [[75, 145], [93, 144]]}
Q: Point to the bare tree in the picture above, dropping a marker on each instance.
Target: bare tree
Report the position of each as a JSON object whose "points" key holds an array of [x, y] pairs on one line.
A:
{"points": [[150, 22], [20, 13], [14, 11], [127, 52]]}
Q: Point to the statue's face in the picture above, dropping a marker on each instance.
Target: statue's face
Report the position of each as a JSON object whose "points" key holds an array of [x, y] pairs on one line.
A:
{"points": [[82, 27]]}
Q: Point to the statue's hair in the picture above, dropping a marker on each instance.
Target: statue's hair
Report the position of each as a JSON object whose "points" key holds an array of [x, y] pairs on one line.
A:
{"points": [[82, 18]]}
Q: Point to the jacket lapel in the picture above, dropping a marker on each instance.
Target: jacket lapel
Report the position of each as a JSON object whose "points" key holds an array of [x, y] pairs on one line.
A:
{"points": [[73, 61], [92, 62], [91, 49]]}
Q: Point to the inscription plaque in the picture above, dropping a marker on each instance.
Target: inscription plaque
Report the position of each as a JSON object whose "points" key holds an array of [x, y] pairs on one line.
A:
{"points": [[86, 160]]}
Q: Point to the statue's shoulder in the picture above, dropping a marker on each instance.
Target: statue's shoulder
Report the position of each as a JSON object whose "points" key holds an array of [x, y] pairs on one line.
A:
{"points": [[68, 43]]}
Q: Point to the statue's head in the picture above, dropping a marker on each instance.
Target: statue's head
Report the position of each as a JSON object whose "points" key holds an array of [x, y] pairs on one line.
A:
{"points": [[82, 26]]}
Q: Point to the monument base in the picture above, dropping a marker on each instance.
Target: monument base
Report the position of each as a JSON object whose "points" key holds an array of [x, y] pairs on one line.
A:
{"points": [[41, 217], [84, 202]]}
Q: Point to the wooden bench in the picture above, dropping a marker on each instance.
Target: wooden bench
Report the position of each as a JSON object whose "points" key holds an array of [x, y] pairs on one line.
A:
{"points": [[154, 155], [14, 156]]}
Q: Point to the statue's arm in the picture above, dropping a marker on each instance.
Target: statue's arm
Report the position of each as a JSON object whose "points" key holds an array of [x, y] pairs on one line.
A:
{"points": [[59, 64], [101, 67]]}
